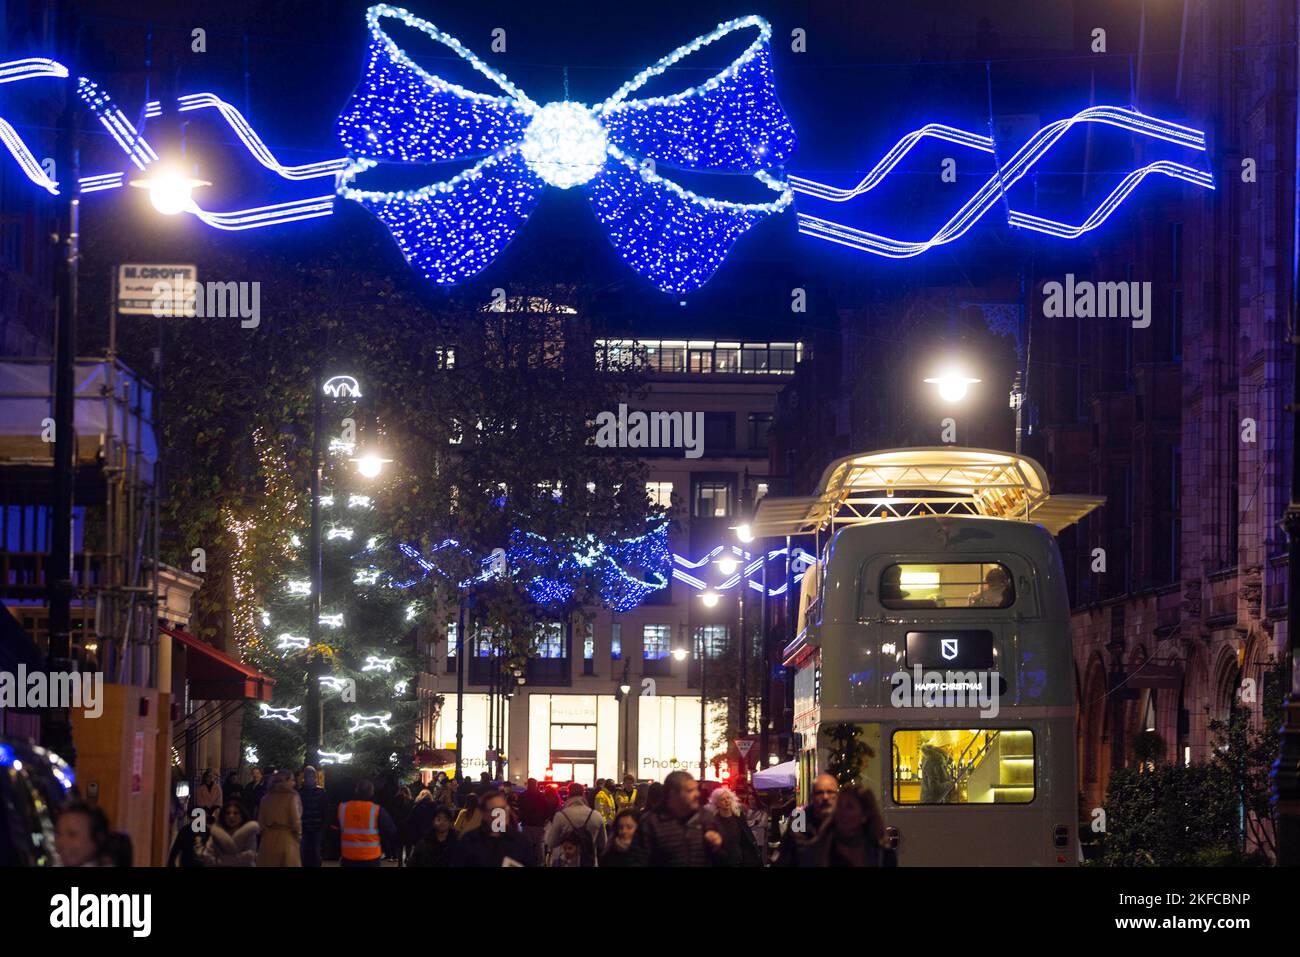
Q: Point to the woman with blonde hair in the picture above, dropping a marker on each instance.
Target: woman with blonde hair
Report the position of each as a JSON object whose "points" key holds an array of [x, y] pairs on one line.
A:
{"points": [[738, 849]]}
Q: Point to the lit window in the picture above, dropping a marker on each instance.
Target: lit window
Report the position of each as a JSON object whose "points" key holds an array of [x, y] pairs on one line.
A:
{"points": [[713, 499], [713, 639], [656, 641], [963, 766], [660, 493], [616, 641], [549, 640], [956, 585], [589, 643]]}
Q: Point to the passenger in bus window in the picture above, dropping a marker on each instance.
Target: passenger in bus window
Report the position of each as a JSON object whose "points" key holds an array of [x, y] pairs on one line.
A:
{"points": [[995, 591]]}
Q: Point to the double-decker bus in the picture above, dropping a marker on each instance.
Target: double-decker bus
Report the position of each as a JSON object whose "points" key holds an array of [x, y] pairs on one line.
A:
{"points": [[933, 651]]}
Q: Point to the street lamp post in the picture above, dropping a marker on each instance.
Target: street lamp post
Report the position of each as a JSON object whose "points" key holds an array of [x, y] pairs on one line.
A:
{"points": [[625, 690], [315, 664], [56, 730], [704, 700], [460, 688]]}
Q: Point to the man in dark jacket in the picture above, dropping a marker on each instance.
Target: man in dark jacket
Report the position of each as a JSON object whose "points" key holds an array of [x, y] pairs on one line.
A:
{"points": [[534, 814], [438, 847], [497, 842], [799, 845], [677, 833], [313, 817]]}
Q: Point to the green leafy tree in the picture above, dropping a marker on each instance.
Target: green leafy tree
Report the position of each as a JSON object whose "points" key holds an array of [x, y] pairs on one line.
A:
{"points": [[1245, 750], [1167, 815], [1219, 812]]}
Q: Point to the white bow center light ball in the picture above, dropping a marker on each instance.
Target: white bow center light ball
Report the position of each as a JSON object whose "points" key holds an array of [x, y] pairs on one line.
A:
{"points": [[565, 144]]}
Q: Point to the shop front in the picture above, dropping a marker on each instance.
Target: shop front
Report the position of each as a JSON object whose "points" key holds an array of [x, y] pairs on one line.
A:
{"points": [[573, 737], [668, 736], [474, 732]]}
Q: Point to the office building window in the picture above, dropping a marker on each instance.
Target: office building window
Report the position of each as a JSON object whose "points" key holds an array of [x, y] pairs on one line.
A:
{"points": [[759, 425], [726, 357], [656, 642], [719, 432], [589, 650], [615, 641], [660, 493], [713, 639], [782, 357], [712, 499], [549, 642]]}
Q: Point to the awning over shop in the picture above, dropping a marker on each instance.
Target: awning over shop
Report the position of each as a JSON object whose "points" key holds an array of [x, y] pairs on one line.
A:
{"points": [[215, 676]]}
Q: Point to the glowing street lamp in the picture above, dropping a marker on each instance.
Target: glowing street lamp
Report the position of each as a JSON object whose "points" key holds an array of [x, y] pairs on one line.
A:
{"points": [[370, 464], [710, 599], [170, 191], [728, 565], [679, 654], [745, 533], [953, 384]]}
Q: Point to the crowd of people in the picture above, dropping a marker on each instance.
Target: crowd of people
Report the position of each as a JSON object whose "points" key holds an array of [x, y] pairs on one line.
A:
{"points": [[281, 820]]}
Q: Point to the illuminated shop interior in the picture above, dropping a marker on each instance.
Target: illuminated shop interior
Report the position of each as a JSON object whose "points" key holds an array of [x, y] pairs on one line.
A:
{"points": [[963, 766]]}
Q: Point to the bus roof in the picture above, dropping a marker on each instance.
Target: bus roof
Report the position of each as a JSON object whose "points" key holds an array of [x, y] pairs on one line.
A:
{"points": [[930, 480]]}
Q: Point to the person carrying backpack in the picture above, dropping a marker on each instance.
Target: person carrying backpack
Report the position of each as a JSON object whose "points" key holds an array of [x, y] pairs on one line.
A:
{"points": [[576, 836]]}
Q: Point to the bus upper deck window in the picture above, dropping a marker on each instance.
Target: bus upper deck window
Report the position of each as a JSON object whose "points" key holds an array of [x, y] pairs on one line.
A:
{"points": [[947, 585]]}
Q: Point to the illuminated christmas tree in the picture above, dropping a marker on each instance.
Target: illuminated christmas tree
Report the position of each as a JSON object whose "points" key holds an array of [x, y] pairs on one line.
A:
{"points": [[366, 637]]}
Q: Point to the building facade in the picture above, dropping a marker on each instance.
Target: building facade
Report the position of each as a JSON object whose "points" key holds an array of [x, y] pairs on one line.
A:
{"points": [[625, 697], [1183, 425]]}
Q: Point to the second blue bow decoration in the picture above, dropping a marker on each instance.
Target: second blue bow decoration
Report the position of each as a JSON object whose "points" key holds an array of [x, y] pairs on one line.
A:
{"points": [[621, 150]]}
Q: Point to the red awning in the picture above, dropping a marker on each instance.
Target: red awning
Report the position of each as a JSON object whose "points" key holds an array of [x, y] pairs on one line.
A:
{"points": [[215, 676]]}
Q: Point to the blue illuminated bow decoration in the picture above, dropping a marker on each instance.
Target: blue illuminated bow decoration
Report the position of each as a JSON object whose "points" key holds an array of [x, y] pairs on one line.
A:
{"points": [[451, 229]]}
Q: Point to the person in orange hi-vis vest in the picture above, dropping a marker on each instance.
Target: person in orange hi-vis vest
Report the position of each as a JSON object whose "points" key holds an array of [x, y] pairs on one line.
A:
{"points": [[363, 827]]}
